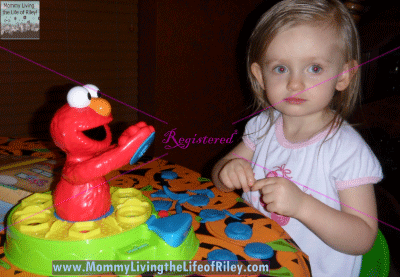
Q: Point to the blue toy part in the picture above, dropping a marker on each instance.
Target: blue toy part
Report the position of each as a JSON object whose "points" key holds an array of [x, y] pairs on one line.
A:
{"points": [[162, 205], [238, 231], [170, 175], [198, 200], [142, 148], [110, 211], [222, 255], [211, 215], [172, 229], [206, 192], [182, 197], [259, 250]]}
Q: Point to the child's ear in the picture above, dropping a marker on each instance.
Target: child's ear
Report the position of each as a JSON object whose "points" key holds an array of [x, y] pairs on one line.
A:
{"points": [[344, 79], [257, 73]]}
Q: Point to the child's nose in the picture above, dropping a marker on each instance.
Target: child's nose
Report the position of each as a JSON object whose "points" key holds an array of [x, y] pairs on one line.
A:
{"points": [[295, 83]]}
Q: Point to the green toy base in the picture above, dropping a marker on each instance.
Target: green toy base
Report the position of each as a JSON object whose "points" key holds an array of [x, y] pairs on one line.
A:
{"points": [[35, 255]]}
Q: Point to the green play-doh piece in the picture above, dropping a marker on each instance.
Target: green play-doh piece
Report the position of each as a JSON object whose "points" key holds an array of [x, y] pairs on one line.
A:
{"points": [[281, 245], [282, 272]]}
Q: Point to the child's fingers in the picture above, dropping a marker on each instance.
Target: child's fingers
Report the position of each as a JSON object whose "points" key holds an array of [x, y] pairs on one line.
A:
{"points": [[259, 184], [230, 180], [250, 176], [242, 178], [223, 176]]}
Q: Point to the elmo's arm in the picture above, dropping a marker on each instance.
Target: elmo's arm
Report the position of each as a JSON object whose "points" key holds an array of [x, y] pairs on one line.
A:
{"points": [[112, 159]]}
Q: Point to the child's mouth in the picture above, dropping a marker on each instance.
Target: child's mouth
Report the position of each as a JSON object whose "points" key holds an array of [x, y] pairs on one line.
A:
{"points": [[293, 100]]}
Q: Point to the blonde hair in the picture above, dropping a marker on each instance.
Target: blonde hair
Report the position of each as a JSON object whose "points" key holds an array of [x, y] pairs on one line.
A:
{"points": [[290, 13]]}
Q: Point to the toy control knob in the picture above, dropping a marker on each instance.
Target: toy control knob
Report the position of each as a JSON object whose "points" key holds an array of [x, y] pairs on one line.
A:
{"points": [[142, 148]]}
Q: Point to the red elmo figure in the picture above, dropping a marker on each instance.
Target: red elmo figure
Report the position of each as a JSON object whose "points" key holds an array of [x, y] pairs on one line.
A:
{"points": [[80, 128]]}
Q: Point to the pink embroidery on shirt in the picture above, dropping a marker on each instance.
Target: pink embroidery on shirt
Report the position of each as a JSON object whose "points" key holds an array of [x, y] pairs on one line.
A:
{"points": [[280, 219], [284, 172]]}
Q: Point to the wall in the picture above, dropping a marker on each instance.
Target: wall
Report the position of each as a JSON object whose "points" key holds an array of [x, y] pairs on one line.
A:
{"points": [[197, 84], [88, 42]]}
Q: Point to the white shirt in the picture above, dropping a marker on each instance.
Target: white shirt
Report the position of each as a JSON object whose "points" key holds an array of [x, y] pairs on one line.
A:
{"points": [[343, 161]]}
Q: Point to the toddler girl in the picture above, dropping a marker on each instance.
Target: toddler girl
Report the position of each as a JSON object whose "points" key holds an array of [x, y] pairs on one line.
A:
{"points": [[299, 154]]}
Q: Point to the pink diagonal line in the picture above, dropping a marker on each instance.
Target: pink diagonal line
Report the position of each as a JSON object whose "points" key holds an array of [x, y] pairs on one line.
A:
{"points": [[322, 194], [319, 84], [38, 64], [87, 190]]}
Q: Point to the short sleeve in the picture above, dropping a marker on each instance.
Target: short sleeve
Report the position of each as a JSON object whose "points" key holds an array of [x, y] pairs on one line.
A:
{"points": [[354, 163], [256, 129]]}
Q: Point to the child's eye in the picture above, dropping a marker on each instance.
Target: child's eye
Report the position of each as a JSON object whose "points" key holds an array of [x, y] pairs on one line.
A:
{"points": [[280, 69], [315, 69]]}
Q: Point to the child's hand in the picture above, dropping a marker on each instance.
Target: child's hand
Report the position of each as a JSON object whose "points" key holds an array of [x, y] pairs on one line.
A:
{"points": [[280, 195], [237, 174]]}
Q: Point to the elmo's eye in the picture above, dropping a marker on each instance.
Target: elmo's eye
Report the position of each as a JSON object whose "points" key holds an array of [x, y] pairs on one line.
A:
{"points": [[78, 97], [93, 90]]}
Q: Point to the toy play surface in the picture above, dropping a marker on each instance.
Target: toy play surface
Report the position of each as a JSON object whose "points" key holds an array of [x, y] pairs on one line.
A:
{"points": [[131, 231]]}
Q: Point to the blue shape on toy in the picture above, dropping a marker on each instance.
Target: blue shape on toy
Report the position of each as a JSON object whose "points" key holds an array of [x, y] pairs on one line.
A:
{"points": [[222, 255], [170, 175], [238, 231], [211, 215], [172, 229], [162, 205], [206, 192], [142, 148], [198, 200], [182, 197], [259, 250]]}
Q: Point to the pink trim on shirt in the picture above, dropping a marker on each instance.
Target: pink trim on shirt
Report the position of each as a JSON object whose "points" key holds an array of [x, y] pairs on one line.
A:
{"points": [[280, 136], [249, 143], [341, 185]]}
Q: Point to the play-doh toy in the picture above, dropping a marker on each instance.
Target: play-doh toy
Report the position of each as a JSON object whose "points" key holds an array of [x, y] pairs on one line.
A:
{"points": [[133, 231], [83, 218]]}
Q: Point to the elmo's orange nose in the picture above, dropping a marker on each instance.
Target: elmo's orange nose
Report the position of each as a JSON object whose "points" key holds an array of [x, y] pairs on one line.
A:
{"points": [[100, 106]]}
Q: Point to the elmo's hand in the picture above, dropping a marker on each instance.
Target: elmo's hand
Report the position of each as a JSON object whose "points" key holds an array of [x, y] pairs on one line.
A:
{"points": [[137, 132]]}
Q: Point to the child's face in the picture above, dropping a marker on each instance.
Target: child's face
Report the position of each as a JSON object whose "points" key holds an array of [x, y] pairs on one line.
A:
{"points": [[297, 59]]}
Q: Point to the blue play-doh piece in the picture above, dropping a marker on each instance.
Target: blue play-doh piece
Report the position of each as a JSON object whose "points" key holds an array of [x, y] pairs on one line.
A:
{"points": [[198, 200], [142, 148], [235, 216], [259, 250], [159, 193], [211, 215], [172, 229], [162, 205], [182, 197], [238, 231], [170, 175], [222, 255], [206, 192], [178, 208]]}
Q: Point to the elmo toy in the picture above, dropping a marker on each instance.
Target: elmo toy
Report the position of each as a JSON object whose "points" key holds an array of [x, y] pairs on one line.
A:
{"points": [[80, 128]]}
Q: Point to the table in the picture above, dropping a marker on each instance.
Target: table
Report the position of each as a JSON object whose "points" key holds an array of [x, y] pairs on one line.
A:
{"points": [[210, 234]]}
